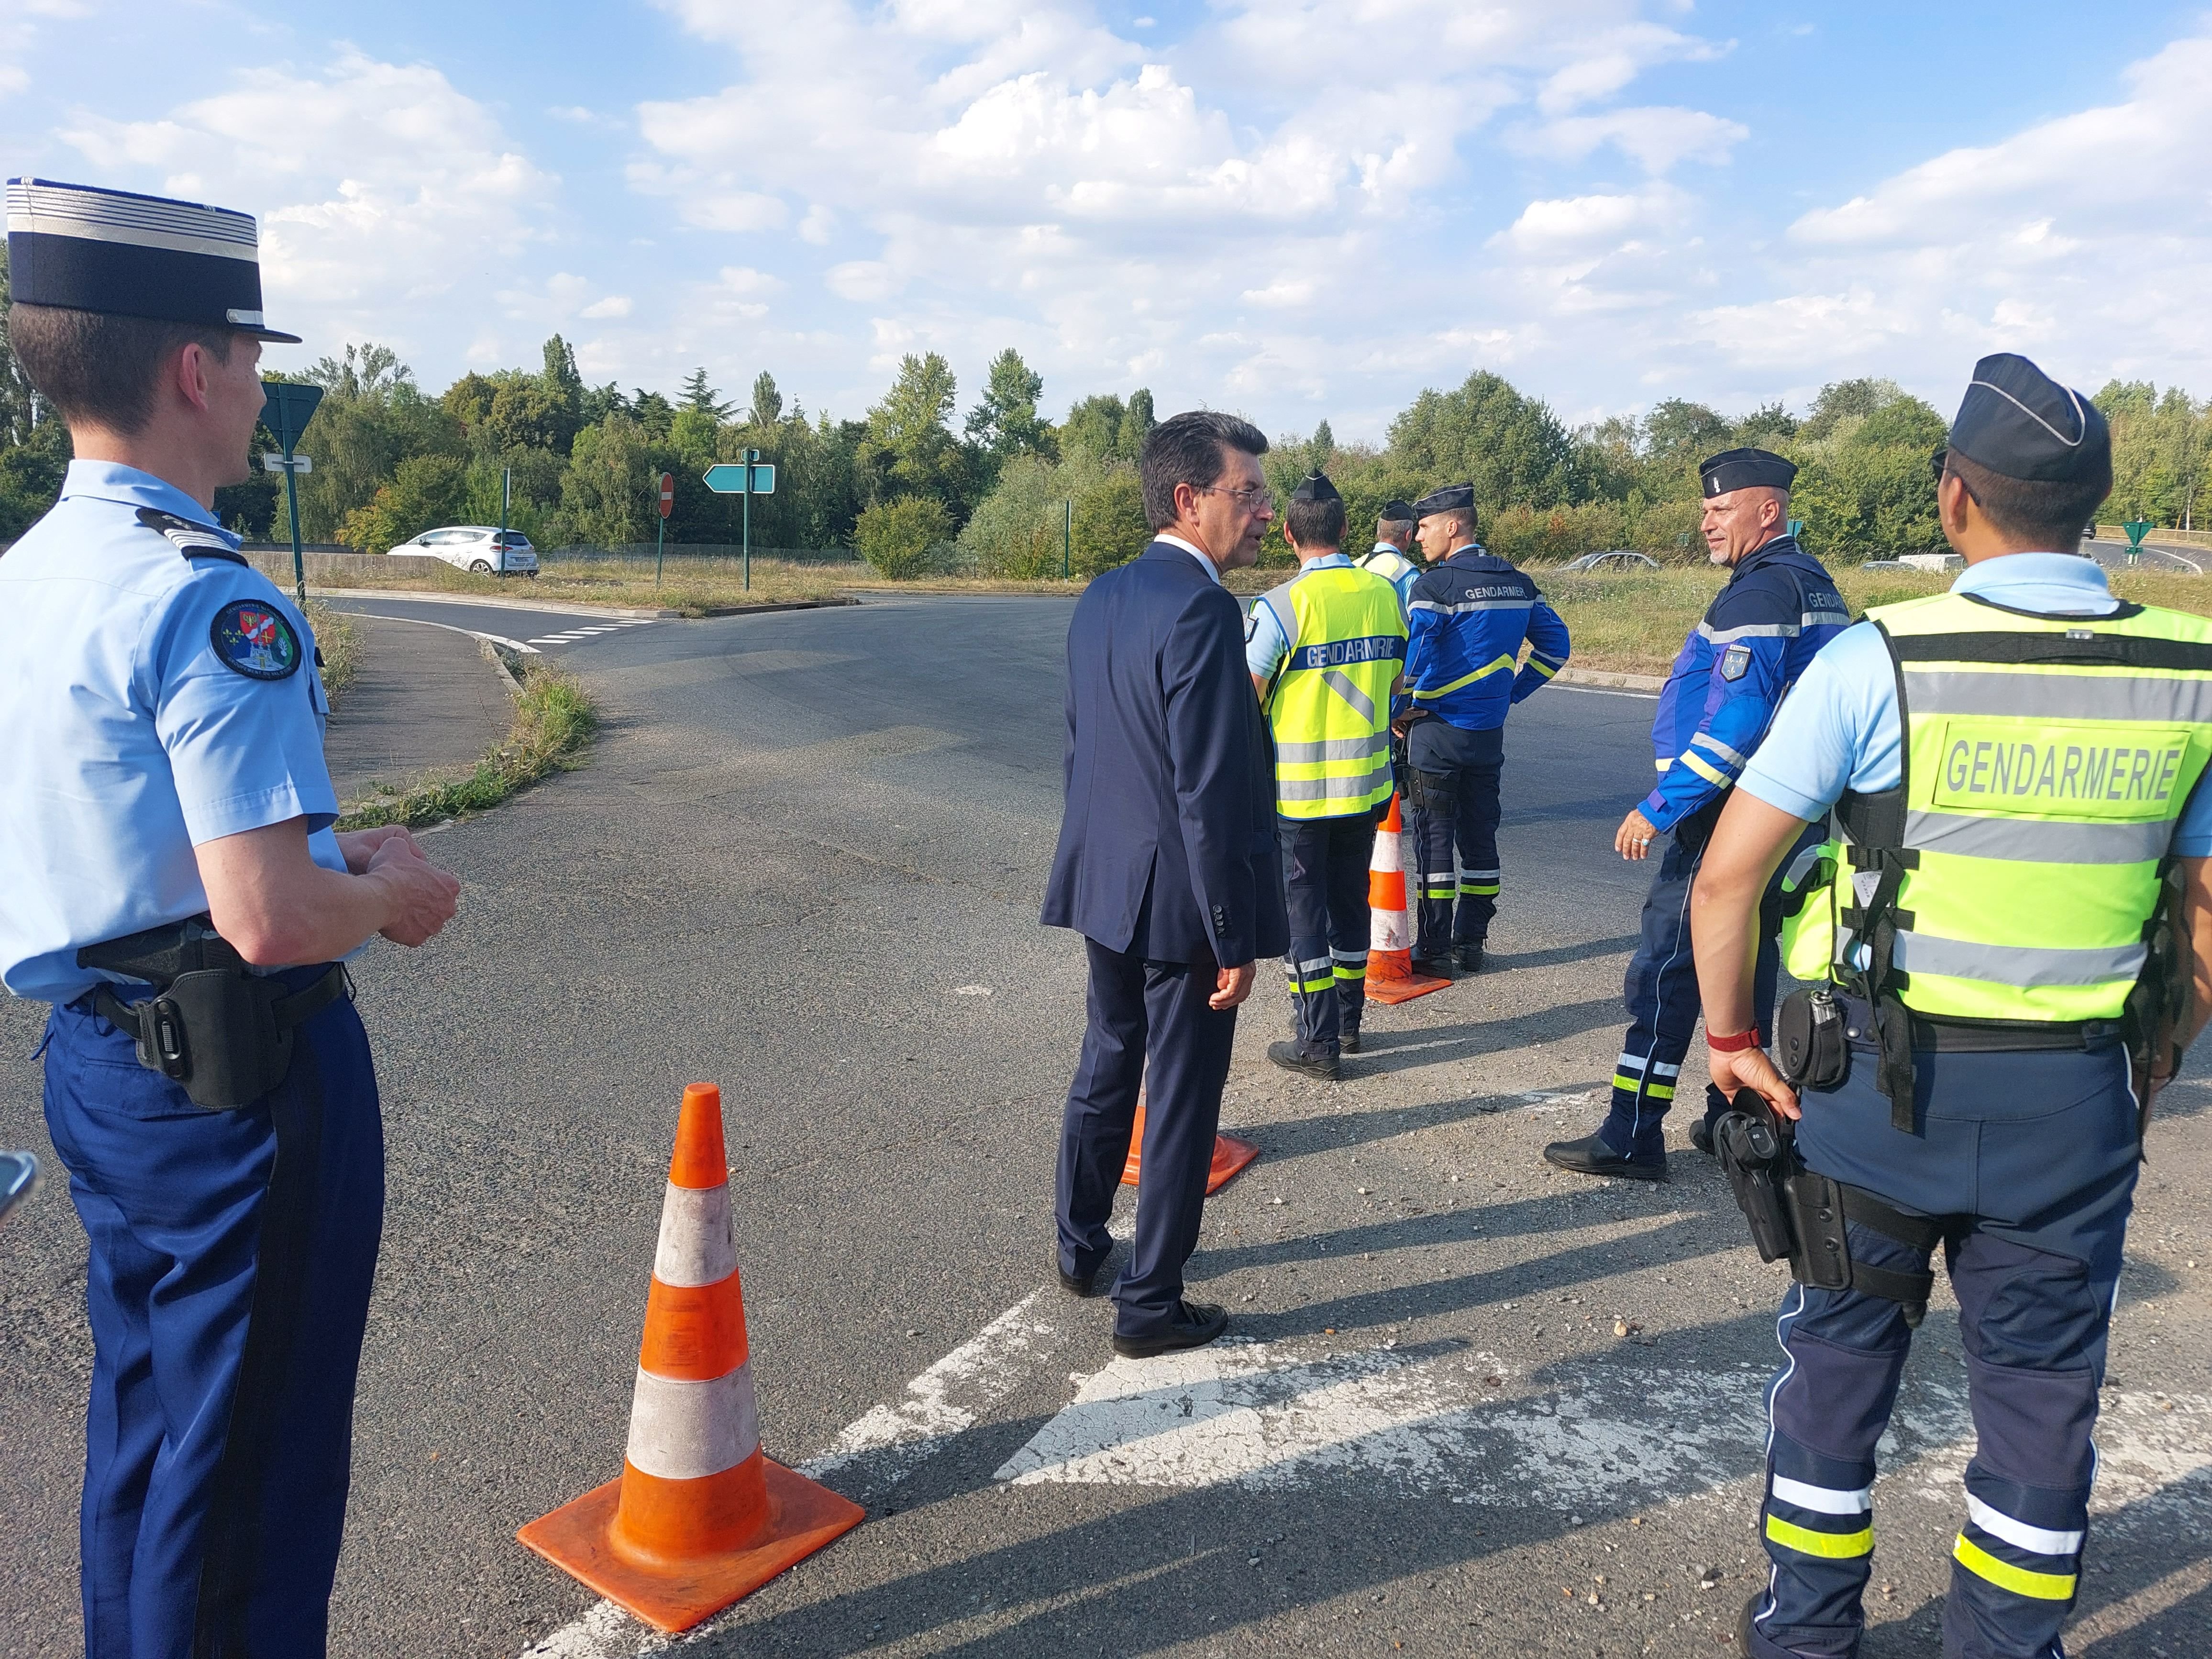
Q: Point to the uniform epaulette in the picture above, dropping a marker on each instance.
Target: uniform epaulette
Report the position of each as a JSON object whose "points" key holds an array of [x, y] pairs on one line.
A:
{"points": [[194, 541]]}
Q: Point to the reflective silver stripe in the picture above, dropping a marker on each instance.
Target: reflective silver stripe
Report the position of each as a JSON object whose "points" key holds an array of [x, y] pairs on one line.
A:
{"points": [[1465, 606], [2067, 695], [1733, 755], [1822, 1500], [1340, 683], [2026, 966], [1748, 631], [2042, 1541], [1802, 866], [2036, 841], [1824, 619], [1313, 967], [1333, 749], [681, 1429], [1348, 955], [1343, 788]]}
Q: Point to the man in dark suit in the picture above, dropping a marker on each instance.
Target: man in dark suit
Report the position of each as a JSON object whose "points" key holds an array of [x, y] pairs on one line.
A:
{"points": [[1168, 867]]}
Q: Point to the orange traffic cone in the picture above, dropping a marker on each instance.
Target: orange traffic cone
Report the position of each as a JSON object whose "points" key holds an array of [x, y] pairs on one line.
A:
{"points": [[1230, 1154], [1390, 976], [700, 1515]]}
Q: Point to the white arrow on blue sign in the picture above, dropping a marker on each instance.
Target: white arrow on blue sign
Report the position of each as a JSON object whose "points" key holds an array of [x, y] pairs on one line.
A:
{"points": [[729, 478]]}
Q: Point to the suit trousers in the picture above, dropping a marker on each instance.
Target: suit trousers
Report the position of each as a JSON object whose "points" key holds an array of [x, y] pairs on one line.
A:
{"points": [[1325, 881], [231, 1258], [1150, 1026]]}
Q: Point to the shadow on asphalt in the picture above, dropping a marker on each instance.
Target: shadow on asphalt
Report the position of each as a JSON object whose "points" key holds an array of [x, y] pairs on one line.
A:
{"points": [[1190, 1553], [1583, 953], [1385, 1052]]}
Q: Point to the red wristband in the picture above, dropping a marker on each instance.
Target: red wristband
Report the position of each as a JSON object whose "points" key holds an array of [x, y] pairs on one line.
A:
{"points": [[1732, 1045]]}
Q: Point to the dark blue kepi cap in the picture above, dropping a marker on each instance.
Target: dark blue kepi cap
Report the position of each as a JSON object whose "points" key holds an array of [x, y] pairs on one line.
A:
{"points": [[1398, 511], [2019, 422], [1316, 487], [1452, 498], [90, 249], [1745, 469]]}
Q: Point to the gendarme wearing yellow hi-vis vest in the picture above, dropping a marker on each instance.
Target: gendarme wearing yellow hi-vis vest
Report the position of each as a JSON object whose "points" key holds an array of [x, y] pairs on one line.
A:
{"points": [[1326, 650]]}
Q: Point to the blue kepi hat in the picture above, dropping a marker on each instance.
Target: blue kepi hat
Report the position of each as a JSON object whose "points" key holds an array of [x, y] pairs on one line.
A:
{"points": [[89, 249]]}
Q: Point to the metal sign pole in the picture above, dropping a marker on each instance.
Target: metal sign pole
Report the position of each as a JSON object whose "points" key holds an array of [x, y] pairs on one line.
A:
{"points": [[292, 501], [660, 547], [506, 501], [1067, 536], [751, 455]]}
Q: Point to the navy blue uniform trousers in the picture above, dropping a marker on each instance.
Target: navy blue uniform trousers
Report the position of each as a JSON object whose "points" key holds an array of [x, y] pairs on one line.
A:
{"points": [[1150, 1026], [231, 1253], [1325, 884], [2030, 1160], [1457, 775], [1661, 990]]}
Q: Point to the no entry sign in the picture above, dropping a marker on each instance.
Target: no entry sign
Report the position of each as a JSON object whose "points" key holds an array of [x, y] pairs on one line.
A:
{"points": [[667, 494]]}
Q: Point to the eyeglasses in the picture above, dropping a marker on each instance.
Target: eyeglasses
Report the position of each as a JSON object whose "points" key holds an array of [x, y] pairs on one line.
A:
{"points": [[1259, 498]]}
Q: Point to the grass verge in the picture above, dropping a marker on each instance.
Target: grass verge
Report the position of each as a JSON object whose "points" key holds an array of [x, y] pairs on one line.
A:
{"points": [[340, 642], [555, 719]]}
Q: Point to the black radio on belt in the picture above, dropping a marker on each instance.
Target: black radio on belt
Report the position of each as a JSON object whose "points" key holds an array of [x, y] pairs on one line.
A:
{"points": [[221, 1033]]}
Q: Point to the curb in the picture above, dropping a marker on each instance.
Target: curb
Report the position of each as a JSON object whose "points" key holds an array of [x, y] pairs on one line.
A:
{"points": [[1598, 676], [751, 609], [556, 607]]}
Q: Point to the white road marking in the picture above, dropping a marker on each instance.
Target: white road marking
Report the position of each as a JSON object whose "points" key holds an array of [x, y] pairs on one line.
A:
{"points": [[473, 633], [1607, 691]]}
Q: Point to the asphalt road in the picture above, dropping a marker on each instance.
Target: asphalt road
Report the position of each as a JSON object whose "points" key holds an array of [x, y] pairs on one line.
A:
{"points": [[806, 863], [530, 631]]}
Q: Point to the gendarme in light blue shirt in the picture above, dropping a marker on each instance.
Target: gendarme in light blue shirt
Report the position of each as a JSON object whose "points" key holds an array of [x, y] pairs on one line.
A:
{"points": [[1838, 729], [1265, 644], [150, 699]]}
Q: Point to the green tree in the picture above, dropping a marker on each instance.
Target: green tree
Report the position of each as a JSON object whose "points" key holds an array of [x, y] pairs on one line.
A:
{"points": [[372, 417], [702, 398], [1110, 528], [606, 491], [1136, 425], [426, 491], [1843, 400], [1004, 423], [908, 450], [1513, 448], [903, 537], [1093, 430], [2161, 452], [564, 388], [768, 402]]}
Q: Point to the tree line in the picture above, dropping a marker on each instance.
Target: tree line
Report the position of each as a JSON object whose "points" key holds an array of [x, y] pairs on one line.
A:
{"points": [[914, 484]]}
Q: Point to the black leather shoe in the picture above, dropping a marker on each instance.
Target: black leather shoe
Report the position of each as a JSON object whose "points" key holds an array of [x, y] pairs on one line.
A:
{"points": [[1743, 1637], [1590, 1156], [1430, 968], [1348, 1040], [1319, 1067], [1086, 1284], [1701, 1137], [1195, 1324], [1469, 958]]}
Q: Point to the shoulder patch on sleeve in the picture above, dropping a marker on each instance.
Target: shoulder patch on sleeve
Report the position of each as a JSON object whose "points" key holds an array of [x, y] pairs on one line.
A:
{"points": [[1735, 662], [254, 640], [194, 541]]}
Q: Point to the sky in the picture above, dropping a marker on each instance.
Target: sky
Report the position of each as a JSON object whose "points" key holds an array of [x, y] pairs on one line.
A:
{"points": [[1295, 210]]}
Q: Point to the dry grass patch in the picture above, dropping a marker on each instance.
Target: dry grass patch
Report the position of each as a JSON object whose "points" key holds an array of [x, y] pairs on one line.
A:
{"points": [[555, 719]]}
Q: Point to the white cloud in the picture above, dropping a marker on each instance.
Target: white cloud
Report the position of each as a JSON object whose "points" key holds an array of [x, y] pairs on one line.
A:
{"points": [[863, 281], [1656, 139], [615, 305], [392, 194]]}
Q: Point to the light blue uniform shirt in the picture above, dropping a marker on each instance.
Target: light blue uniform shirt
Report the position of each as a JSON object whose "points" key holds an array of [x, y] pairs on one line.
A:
{"points": [[127, 735], [1265, 643], [1838, 729]]}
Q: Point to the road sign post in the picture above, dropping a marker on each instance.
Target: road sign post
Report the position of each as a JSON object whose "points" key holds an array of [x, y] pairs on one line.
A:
{"points": [[748, 478], [1067, 536], [286, 413], [660, 535], [2137, 529], [506, 501]]}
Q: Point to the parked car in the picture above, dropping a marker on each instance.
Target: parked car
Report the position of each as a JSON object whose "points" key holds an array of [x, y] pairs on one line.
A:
{"points": [[477, 547]]}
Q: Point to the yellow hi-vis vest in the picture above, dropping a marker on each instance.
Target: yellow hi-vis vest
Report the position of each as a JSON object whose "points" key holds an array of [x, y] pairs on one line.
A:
{"points": [[1330, 703], [2045, 762]]}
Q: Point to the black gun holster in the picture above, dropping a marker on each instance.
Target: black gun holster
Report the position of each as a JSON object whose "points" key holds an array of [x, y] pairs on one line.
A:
{"points": [[221, 1033], [1800, 1215]]}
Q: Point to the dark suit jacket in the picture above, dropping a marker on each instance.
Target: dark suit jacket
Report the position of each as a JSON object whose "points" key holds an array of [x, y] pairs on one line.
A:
{"points": [[1168, 848]]}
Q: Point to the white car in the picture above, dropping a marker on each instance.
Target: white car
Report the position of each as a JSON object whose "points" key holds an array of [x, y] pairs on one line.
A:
{"points": [[478, 547]]}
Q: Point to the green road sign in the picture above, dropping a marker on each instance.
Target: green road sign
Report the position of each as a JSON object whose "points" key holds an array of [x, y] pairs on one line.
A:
{"points": [[290, 407], [729, 478], [2137, 529]]}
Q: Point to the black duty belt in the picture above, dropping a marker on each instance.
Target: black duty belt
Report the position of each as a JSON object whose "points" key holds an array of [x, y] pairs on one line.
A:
{"points": [[1978, 1036]]}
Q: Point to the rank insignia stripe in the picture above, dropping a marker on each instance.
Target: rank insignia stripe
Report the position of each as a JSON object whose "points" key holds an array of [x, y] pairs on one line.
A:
{"points": [[255, 640], [193, 540]]}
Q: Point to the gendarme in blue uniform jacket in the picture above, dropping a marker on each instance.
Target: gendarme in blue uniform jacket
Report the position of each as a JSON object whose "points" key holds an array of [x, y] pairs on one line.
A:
{"points": [[1780, 607], [1468, 617]]}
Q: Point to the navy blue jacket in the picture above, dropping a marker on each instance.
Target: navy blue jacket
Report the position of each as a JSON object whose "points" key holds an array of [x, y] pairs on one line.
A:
{"points": [[1168, 846], [1780, 607], [1468, 615]]}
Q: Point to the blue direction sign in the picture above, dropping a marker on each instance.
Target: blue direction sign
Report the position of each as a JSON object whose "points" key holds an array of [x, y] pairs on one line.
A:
{"points": [[729, 478]]}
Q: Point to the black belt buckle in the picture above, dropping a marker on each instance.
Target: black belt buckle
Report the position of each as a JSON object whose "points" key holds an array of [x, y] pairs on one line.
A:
{"points": [[162, 1045]]}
